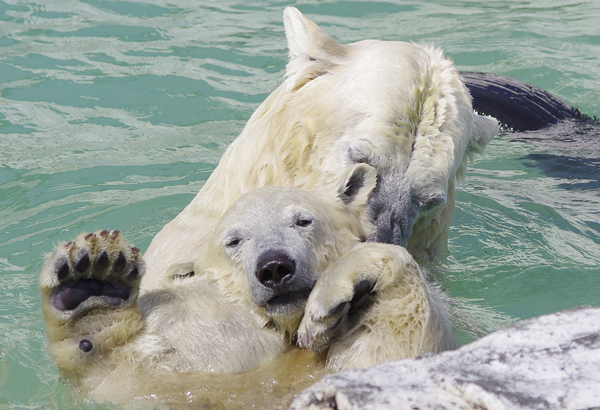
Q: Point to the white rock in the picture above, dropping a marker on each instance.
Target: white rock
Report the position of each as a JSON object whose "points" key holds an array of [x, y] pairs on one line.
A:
{"points": [[549, 362]]}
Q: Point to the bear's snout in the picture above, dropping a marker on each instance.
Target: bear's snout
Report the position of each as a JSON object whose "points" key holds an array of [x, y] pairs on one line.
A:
{"points": [[274, 268], [280, 282]]}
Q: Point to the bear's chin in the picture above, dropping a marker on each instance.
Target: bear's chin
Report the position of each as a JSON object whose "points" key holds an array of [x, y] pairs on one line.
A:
{"points": [[288, 304]]}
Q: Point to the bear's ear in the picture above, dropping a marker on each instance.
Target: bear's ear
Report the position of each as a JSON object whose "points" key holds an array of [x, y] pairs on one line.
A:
{"points": [[311, 50], [484, 128], [306, 40], [356, 184]]}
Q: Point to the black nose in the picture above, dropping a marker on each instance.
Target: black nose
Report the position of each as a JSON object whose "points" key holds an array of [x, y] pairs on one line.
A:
{"points": [[274, 268]]}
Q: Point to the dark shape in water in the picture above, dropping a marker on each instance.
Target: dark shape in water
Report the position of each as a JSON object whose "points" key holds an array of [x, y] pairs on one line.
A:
{"points": [[517, 105]]}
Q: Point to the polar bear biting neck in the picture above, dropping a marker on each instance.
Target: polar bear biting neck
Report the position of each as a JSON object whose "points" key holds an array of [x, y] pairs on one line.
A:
{"points": [[306, 237], [399, 107]]}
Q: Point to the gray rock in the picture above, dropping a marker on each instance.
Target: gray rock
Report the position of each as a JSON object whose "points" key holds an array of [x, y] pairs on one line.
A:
{"points": [[549, 362]]}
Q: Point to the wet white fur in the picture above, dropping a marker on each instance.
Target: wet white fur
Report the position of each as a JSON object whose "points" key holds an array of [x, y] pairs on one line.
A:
{"points": [[400, 107], [205, 325]]}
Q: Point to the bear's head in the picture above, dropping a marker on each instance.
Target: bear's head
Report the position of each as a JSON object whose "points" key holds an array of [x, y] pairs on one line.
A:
{"points": [[271, 246], [400, 107]]}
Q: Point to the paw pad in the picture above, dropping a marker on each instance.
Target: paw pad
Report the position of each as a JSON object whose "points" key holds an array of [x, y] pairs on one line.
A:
{"points": [[119, 263], [97, 269], [83, 264], [101, 263], [63, 271]]}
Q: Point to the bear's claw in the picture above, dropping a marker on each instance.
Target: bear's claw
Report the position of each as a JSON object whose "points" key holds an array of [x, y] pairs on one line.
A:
{"points": [[96, 270]]}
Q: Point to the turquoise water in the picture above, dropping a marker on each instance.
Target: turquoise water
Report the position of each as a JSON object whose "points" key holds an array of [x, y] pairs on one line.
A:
{"points": [[113, 114]]}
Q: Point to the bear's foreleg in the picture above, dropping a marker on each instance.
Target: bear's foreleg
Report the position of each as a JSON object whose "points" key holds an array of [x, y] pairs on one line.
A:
{"points": [[89, 289], [373, 305]]}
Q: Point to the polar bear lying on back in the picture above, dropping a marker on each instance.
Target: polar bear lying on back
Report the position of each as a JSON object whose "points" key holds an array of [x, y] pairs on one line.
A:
{"points": [[283, 265], [361, 144]]}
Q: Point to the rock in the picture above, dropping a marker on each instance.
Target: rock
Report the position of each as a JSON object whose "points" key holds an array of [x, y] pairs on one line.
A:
{"points": [[548, 362]]}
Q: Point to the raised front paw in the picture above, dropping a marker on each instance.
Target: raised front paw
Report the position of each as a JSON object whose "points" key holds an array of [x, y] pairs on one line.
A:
{"points": [[334, 306], [96, 270]]}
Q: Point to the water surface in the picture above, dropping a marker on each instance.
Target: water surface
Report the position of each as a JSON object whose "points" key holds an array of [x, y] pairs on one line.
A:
{"points": [[113, 114]]}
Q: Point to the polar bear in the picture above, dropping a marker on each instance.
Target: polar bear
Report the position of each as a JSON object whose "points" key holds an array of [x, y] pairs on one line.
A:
{"points": [[283, 266], [399, 107], [308, 233]]}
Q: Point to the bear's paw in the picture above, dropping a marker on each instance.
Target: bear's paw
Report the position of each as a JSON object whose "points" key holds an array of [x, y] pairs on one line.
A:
{"points": [[95, 271], [335, 305]]}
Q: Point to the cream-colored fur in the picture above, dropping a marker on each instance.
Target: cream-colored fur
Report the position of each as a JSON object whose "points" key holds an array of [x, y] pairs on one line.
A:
{"points": [[405, 318], [400, 107], [362, 143], [206, 327]]}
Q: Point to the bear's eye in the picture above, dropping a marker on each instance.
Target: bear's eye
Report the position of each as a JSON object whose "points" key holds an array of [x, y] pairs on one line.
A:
{"points": [[233, 242], [303, 222]]}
